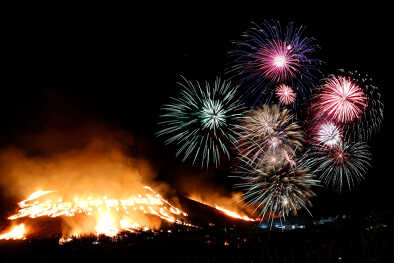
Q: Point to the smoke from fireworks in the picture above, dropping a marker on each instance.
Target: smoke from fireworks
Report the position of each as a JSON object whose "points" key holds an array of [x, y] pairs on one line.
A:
{"points": [[346, 163], [202, 121], [268, 132], [268, 55], [278, 190]]}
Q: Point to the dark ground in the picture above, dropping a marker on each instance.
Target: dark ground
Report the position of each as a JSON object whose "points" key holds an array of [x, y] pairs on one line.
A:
{"points": [[344, 239], [342, 242]]}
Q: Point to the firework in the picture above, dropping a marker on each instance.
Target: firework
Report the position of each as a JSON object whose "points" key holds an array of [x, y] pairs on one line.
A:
{"points": [[352, 101], [268, 55], [269, 132], [278, 61], [327, 134], [285, 94], [341, 99], [202, 120], [344, 163], [370, 122], [279, 190]]}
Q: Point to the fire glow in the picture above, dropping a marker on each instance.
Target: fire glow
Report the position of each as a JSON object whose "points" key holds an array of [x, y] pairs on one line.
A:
{"points": [[112, 216], [235, 215], [227, 211], [17, 232]]}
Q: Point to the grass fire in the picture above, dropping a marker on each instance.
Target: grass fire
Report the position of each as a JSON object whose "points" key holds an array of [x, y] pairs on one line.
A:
{"points": [[93, 186]]}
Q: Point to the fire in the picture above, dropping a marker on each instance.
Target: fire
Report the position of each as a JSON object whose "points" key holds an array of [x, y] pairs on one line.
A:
{"points": [[227, 202], [234, 214], [17, 232], [112, 216], [106, 226]]}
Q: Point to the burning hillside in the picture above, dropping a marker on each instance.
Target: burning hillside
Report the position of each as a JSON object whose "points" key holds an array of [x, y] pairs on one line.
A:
{"points": [[107, 216], [94, 186]]}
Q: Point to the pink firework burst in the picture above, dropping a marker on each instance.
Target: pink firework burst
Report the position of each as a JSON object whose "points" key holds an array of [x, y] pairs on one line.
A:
{"points": [[285, 94], [278, 62], [342, 100]]}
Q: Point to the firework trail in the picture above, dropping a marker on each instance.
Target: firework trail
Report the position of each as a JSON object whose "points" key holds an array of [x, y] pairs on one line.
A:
{"points": [[336, 166], [267, 56], [278, 190], [267, 133], [201, 121]]}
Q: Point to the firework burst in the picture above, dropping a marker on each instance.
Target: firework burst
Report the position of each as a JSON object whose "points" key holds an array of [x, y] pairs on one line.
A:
{"points": [[352, 101], [279, 190], [278, 61], [371, 121], [268, 55], [341, 99], [267, 132], [285, 94], [344, 163], [202, 121], [327, 134]]}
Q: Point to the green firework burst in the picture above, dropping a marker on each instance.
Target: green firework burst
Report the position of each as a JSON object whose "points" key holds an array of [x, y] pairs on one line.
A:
{"points": [[202, 121]]}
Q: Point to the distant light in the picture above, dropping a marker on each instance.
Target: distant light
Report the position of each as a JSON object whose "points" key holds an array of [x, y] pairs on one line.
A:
{"points": [[263, 226]]}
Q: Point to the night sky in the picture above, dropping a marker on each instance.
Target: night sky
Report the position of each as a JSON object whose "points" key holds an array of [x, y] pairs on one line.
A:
{"points": [[117, 68]]}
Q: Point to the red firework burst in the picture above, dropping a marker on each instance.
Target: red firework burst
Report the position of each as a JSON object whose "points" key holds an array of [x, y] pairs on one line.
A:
{"points": [[342, 100], [278, 62], [285, 94]]}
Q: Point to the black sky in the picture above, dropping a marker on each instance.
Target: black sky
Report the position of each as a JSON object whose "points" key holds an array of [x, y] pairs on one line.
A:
{"points": [[117, 66]]}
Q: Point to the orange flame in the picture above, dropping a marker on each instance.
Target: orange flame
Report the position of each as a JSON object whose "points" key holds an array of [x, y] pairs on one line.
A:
{"points": [[112, 215], [235, 215], [227, 202], [17, 232], [106, 226]]}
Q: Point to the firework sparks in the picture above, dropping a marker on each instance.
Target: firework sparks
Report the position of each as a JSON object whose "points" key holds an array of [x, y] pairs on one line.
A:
{"points": [[346, 162], [202, 121], [278, 62], [340, 99], [371, 120], [278, 190], [267, 55], [328, 134], [267, 133], [285, 94]]}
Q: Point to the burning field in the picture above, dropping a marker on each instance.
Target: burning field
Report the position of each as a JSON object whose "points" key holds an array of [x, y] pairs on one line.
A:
{"points": [[95, 185]]}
